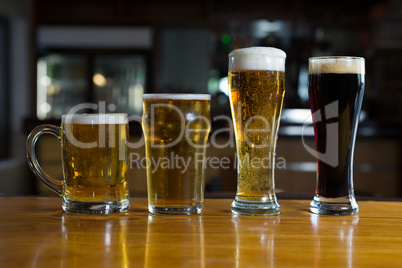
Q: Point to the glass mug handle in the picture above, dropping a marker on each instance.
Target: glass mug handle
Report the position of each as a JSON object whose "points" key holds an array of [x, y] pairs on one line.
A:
{"points": [[53, 184]]}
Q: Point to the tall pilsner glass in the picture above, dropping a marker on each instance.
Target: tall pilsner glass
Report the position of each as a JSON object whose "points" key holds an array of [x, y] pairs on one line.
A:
{"points": [[336, 87], [256, 88]]}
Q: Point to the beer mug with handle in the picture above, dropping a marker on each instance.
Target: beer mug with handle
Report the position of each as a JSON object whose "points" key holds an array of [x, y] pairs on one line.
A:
{"points": [[94, 162]]}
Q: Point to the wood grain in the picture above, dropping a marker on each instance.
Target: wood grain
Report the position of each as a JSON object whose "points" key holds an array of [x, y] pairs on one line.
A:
{"points": [[34, 232]]}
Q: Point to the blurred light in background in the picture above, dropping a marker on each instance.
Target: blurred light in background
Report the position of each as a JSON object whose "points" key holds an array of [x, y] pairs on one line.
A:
{"points": [[135, 98], [226, 39], [223, 85], [302, 90], [99, 80], [41, 97]]}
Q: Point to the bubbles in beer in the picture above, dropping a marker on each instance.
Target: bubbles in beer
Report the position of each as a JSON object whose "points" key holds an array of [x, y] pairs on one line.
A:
{"points": [[257, 87], [94, 173], [176, 128]]}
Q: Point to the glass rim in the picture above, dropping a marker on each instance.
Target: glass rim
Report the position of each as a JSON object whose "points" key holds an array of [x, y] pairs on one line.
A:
{"points": [[336, 58], [176, 96], [95, 118]]}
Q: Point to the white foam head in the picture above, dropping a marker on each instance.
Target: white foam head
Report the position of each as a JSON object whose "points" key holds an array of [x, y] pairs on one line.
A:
{"points": [[257, 58], [338, 65], [94, 119], [173, 96]]}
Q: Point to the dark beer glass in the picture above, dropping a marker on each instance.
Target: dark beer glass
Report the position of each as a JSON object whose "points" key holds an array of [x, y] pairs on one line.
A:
{"points": [[336, 88]]}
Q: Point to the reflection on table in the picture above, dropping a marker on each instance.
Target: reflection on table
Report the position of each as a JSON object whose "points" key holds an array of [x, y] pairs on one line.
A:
{"points": [[34, 232]]}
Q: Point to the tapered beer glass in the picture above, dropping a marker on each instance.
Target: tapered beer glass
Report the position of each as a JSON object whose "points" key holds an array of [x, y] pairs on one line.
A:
{"points": [[176, 128], [336, 88], [256, 91]]}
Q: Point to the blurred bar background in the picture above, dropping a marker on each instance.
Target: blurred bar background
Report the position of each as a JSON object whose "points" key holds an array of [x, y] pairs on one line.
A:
{"points": [[57, 54]]}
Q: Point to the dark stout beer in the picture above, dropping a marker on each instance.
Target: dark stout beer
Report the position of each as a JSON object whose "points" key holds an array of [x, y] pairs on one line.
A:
{"points": [[337, 82]]}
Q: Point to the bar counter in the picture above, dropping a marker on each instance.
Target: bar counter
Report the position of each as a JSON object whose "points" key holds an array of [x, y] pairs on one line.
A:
{"points": [[35, 232]]}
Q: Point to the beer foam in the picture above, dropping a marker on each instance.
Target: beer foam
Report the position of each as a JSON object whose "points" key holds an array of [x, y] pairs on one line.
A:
{"points": [[338, 65], [257, 58], [94, 119], [166, 96]]}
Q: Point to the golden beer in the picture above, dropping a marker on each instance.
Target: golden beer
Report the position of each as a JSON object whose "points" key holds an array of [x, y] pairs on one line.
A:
{"points": [[94, 159], [256, 90], [176, 128]]}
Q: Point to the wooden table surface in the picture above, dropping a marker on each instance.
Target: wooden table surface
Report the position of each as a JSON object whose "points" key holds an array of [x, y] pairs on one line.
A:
{"points": [[34, 232]]}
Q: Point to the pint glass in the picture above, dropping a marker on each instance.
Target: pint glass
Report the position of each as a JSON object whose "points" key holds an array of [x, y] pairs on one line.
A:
{"points": [[94, 162], [256, 91], [176, 129], [336, 87]]}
